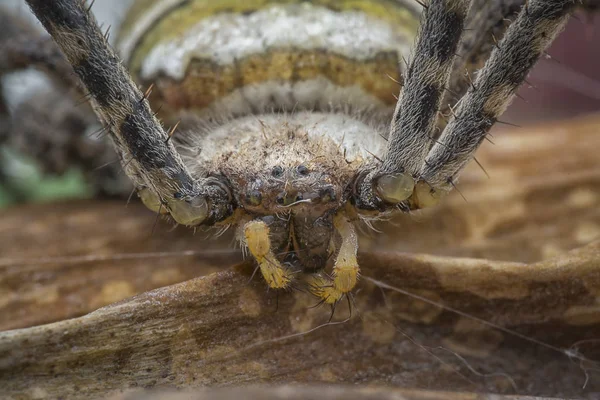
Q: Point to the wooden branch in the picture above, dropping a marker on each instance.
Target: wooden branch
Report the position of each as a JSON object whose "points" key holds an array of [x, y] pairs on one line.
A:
{"points": [[298, 392], [221, 330]]}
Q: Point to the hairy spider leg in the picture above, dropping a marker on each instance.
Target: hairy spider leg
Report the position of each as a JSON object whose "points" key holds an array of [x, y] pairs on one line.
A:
{"points": [[524, 42], [436, 169], [414, 120], [148, 158]]}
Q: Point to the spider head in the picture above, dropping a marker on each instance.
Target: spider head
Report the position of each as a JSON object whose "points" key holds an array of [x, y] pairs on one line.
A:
{"points": [[286, 171], [283, 188], [297, 201], [276, 165], [295, 174], [300, 167]]}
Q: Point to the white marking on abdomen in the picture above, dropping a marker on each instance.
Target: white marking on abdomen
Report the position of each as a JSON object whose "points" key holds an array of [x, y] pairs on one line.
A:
{"points": [[312, 94], [223, 38]]}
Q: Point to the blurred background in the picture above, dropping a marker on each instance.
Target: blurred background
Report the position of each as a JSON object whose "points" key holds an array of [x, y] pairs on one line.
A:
{"points": [[564, 85]]}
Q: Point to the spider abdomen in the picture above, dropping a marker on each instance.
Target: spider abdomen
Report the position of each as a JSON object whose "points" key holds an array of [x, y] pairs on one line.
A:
{"points": [[238, 59]]}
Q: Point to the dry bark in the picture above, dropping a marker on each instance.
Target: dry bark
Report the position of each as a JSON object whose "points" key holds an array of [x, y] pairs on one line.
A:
{"points": [[297, 392], [530, 234]]}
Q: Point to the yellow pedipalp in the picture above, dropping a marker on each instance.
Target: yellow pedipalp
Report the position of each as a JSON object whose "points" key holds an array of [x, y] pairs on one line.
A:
{"points": [[322, 287], [345, 269], [256, 234]]}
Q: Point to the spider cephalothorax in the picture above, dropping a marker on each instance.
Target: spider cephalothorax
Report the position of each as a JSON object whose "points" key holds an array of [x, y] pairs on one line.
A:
{"points": [[291, 179], [298, 161]]}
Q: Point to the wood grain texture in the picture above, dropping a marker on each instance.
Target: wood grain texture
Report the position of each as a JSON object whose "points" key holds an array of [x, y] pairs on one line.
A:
{"points": [[297, 392], [523, 253]]}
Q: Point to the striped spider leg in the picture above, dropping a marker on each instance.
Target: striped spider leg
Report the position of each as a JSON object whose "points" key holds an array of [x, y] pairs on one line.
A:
{"points": [[147, 156], [413, 173]]}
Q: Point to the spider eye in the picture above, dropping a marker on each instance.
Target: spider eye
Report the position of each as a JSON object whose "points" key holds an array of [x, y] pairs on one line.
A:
{"points": [[254, 198], [189, 212], [394, 188], [327, 194], [302, 170], [280, 199], [277, 171]]}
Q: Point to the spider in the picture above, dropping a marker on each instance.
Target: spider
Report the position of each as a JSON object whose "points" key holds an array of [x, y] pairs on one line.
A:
{"points": [[281, 111]]}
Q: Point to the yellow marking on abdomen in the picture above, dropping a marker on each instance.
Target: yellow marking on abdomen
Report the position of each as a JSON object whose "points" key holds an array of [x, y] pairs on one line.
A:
{"points": [[206, 82]]}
